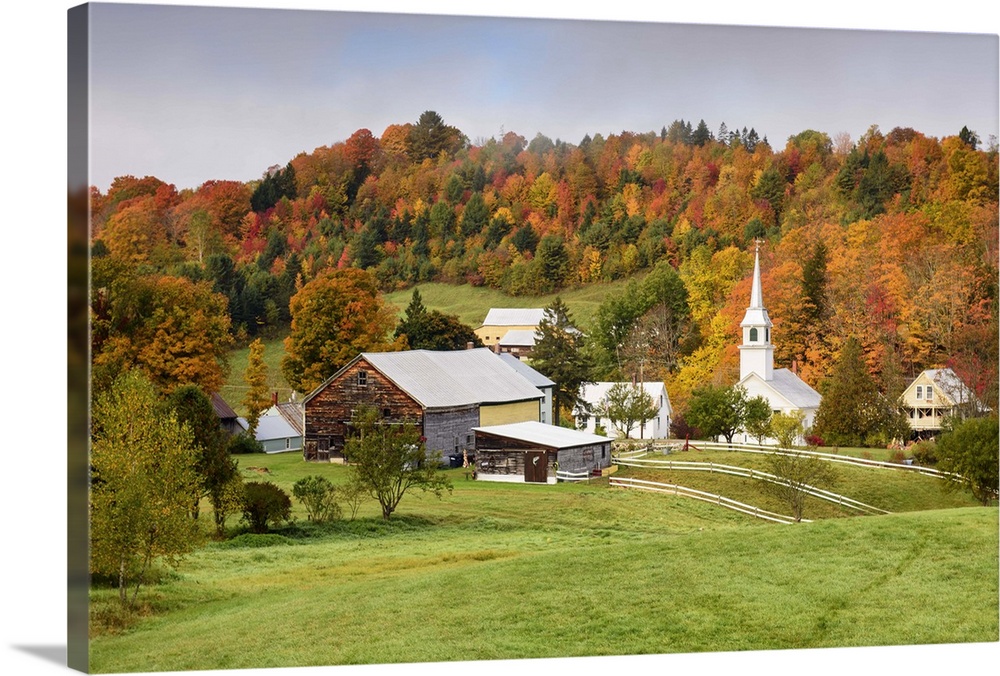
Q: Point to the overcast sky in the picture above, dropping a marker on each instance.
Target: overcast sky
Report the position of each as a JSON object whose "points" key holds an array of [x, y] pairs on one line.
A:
{"points": [[189, 94]]}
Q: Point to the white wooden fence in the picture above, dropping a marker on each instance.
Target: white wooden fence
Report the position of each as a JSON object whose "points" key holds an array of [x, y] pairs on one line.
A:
{"points": [[674, 489], [572, 476], [756, 474], [776, 450]]}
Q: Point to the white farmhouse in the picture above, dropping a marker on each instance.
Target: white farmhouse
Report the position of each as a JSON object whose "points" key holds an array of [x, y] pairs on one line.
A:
{"points": [[783, 389], [656, 428]]}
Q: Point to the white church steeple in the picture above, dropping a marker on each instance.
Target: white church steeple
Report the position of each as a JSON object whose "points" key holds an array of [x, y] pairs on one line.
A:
{"points": [[756, 352]]}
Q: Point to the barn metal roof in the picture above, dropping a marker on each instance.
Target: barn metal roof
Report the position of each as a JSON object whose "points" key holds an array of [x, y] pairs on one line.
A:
{"points": [[504, 316], [549, 436], [453, 378], [274, 427], [533, 376]]}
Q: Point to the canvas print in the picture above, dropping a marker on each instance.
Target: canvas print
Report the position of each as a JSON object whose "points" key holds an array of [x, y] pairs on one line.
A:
{"points": [[437, 339]]}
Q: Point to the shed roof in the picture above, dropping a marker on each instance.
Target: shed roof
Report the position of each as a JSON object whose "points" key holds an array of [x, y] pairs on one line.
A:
{"points": [[441, 379], [519, 338], [793, 389], [222, 409], [502, 316], [549, 436], [274, 427], [291, 412], [533, 376]]}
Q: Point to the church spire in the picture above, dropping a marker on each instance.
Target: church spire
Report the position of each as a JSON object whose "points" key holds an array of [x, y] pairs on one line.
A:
{"points": [[756, 352]]}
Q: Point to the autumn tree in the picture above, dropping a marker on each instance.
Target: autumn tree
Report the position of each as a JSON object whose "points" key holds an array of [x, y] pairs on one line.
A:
{"points": [[175, 330], [626, 406], [559, 355], [334, 317], [256, 399], [143, 474], [389, 460]]}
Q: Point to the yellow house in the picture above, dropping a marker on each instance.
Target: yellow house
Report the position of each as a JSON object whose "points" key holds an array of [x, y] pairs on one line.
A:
{"points": [[501, 320], [933, 396]]}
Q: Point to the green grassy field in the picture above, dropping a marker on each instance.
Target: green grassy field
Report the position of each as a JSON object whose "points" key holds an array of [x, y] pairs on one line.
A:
{"points": [[514, 571], [471, 303]]}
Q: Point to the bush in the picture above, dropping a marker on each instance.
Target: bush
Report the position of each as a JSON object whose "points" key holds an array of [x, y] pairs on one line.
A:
{"points": [[814, 440], [244, 443], [319, 497], [263, 504], [925, 453]]}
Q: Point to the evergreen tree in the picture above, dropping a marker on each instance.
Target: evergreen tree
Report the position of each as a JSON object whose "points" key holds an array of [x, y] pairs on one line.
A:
{"points": [[701, 134], [559, 355], [853, 412]]}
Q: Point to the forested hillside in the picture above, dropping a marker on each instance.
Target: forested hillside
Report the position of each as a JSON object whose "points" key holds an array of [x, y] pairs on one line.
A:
{"points": [[891, 238]]}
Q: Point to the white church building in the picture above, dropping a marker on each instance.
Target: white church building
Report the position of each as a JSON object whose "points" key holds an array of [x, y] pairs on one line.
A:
{"points": [[783, 389]]}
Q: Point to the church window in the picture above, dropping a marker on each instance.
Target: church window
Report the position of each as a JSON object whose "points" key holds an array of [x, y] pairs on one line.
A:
{"points": [[767, 335], [753, 335]]}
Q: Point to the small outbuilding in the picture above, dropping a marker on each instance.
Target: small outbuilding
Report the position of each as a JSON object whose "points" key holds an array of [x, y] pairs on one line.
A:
{"points": [[533, 452]]}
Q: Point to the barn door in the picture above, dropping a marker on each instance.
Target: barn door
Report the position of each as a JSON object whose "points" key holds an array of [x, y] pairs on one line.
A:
{"points": [[536, 467]]}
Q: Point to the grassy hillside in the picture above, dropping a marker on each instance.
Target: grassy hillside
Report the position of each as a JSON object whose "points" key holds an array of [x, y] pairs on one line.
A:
{"points": [[471, 303], [513, 571], [468, 302]]}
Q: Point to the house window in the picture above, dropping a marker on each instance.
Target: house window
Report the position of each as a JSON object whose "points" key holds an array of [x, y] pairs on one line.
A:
{"points": [[288, 443], [929, 391], [362, 378], [753, 335], [920, 391]]}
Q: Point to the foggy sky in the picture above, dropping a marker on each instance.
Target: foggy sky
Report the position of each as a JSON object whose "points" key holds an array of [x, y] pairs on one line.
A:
{"points": [[189, 94]]}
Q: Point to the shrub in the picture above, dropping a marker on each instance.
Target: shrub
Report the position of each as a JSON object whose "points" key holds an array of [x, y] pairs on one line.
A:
{"points": [[319, 497], [244, 443], [925, 453], [263, 504], [814, 440], [897, 457]]}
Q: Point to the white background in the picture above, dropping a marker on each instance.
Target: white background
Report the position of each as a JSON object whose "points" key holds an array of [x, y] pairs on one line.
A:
{"points": [[32, 326]]}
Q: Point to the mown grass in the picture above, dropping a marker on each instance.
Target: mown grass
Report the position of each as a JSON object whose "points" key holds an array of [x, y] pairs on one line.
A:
{"points": [[497, 571]]}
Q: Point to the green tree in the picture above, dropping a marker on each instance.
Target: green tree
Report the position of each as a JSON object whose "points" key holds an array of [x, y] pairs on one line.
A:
{"points": [[433, 330], [626, 406], [215, 468], [388, 460], [559, 355], [430, 136], [319, 496], [787, 427], [717, 411], [475, 216], [853, 412], [554, 261], [334, 317], [142, 478], [757, 418], [969, 448], [265, 504]]}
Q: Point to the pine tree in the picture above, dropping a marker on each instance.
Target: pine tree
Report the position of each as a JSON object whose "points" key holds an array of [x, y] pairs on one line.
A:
{"points": [[559, 355]]}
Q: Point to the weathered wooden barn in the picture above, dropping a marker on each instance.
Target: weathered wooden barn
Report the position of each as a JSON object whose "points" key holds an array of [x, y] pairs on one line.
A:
{"points": [[532, 452], [446, 394]]}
